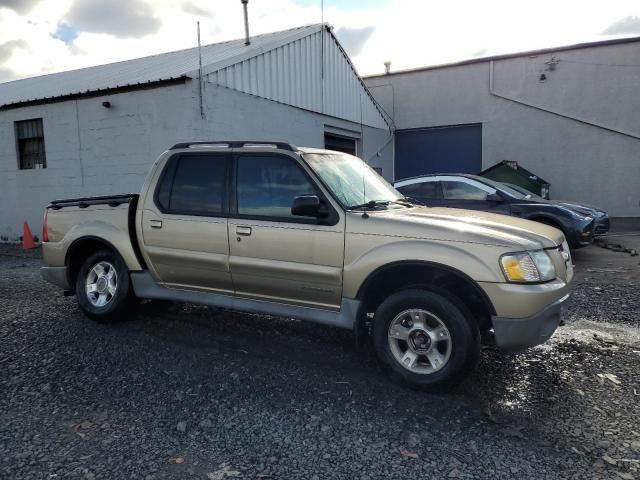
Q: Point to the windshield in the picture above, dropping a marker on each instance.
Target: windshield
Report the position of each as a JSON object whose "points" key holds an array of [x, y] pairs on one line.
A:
{"points": [[527, 194], [507, 189], [351, 180]]}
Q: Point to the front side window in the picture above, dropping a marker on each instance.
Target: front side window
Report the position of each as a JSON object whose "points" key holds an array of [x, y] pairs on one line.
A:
{"points": [[351, 180], [267, 186], [30, 144], [194, 185], [452, 190]]}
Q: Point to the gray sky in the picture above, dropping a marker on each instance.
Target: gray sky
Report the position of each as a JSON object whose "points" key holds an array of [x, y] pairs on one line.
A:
{"points": [[43, 36]]}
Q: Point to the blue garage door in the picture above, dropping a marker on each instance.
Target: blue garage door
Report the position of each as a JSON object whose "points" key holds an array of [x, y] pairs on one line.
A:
{"points": [[456, 149]]}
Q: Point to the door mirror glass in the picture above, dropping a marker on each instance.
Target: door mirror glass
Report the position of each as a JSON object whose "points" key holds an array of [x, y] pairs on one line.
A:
{"points": [[495, 197], [306, 206]]}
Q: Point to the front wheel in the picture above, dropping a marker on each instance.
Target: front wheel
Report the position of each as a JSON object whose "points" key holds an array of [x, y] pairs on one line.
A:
{"points": [[424, 340], [103, 287]]}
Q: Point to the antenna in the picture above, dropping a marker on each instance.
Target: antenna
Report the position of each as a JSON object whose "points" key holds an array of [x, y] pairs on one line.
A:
{"points": [[200, 72], [322, 53]]}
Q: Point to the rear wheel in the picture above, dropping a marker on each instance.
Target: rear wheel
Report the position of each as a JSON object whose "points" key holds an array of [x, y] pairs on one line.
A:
{"points": [[103, 287], [422, 339]]}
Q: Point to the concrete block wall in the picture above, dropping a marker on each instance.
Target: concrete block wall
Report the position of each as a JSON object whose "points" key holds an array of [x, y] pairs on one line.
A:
{"points": [[234, 115], [92, 150]]}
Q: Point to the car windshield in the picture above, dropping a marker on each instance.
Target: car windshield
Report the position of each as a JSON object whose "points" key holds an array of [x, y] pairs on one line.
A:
{"points": [[351, 180], [506, 189], [524, 191]]}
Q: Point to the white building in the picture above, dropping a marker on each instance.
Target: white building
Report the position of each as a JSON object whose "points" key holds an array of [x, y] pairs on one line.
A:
{"points": [[97, 130], [570, 115]]}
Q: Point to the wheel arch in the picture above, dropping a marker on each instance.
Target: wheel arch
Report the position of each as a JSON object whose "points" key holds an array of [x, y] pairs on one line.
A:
{"points": [[443, 279], [548, 220], [80, 249]]}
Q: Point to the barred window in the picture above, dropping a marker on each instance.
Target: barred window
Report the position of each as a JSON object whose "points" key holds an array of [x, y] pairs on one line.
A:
{"points": [[30, 141]]}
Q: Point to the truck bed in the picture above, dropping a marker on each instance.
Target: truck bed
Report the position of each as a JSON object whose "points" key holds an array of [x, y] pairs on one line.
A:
{"points": [[111, 217]]}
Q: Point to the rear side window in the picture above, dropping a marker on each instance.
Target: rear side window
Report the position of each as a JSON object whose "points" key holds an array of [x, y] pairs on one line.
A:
{"points": [[267, 186], [422, 191], [194, 185], [462, 191]]}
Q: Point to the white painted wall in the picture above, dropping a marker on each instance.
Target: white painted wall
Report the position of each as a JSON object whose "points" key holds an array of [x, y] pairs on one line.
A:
{"points": [[92, 150], [583, 162]]}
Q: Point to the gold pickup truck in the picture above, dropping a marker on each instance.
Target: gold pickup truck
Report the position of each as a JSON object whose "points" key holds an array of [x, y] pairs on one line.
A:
{"points": [[315, 235]]}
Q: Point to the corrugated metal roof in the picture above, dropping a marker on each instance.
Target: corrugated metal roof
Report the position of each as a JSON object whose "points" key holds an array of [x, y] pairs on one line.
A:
{"points": [[144, 70]]}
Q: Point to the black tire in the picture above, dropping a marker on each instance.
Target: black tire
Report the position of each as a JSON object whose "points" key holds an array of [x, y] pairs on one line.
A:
{"points": [[463, 332], [121, 304]]}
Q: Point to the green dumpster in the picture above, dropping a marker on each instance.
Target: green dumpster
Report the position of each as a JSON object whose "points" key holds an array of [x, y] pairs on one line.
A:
{"points": [[508, 171]]}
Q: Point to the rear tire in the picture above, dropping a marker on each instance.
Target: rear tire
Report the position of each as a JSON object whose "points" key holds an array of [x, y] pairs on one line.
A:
{"points": [[424, 340], [103, 288]]}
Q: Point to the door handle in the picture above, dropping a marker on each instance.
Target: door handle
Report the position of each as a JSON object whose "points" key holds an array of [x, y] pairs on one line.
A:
{"points": [[155, 223], [241, 230]]}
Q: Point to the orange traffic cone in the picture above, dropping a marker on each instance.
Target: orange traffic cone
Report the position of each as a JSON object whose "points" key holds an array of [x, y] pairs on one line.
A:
{"points": [[27, 238]]}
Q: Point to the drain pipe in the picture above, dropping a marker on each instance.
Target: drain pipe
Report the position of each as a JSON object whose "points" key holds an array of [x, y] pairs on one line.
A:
{"points": [[584, 121]]}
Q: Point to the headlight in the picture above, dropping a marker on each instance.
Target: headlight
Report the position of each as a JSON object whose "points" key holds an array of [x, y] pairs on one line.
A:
{"points": [[528, 267]]}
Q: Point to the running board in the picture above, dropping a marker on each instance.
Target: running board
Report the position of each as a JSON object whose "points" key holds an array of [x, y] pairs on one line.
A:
{"points": [[146, 287]]}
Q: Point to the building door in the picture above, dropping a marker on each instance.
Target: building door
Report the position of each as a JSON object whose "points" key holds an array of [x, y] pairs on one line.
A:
{"points": [[455, 149], [340, 143]]}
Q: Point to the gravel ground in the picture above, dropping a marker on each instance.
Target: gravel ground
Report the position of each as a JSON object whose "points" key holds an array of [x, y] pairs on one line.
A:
{"points": [[193, 392]]}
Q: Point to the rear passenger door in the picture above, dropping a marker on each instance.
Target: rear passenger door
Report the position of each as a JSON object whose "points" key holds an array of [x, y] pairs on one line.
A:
{"points": [[184, 223], [275, 255]]}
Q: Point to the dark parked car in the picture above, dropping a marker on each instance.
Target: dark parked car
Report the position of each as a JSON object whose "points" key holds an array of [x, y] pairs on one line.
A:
{"points": [[479, 193], [601, 217]]}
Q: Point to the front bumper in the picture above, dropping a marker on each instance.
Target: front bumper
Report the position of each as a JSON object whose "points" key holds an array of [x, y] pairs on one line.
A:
{"points": [[582, 235], [57, 276], [602, 225], [520, 333]]}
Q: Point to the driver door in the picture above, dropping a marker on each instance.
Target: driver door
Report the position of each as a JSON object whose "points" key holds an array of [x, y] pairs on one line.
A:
{"points": [[275, 255]]}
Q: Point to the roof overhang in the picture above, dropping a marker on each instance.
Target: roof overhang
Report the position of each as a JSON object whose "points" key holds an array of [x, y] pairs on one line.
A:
{"points": [[98, 92]]}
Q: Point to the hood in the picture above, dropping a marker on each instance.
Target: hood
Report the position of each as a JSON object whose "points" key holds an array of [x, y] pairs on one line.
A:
{"points": [[575, 207], [581, 206], [453, 224]]}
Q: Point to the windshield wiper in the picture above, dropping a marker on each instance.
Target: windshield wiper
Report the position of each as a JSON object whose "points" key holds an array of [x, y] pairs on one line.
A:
{"points": [[373, 204], [409, 201], [370, 205]]}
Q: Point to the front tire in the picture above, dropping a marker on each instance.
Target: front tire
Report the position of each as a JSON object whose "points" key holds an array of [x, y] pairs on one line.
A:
{"points": [[103, 287], [424, 340]]}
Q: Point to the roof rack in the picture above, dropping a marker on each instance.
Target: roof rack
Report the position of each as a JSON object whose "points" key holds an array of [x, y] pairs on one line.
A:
{"points": [[238, 144]]}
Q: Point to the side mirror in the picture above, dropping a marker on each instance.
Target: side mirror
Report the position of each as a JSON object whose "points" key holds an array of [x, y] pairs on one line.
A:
{"points": [[306, 206], [495, 197]]}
